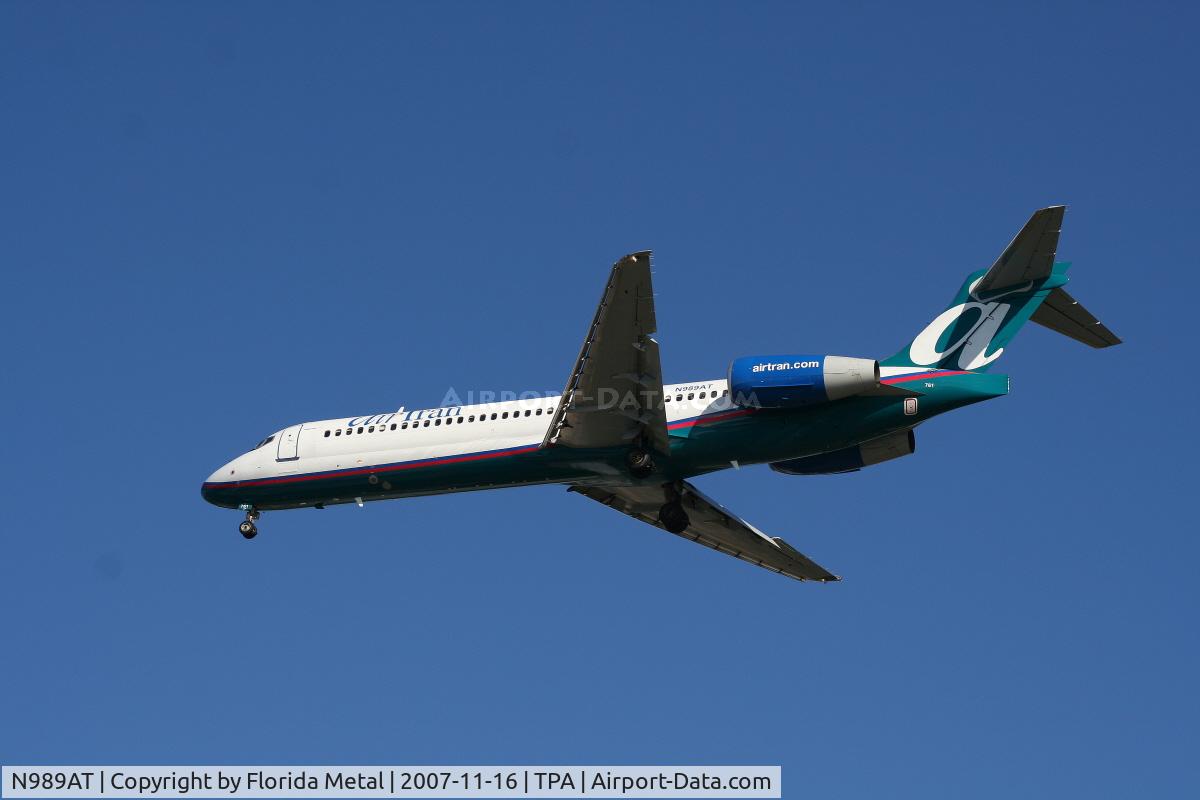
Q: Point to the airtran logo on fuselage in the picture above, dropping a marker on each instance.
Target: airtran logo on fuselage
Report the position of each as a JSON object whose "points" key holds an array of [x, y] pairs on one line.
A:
{"points": [[785, 365], [405, 416]]}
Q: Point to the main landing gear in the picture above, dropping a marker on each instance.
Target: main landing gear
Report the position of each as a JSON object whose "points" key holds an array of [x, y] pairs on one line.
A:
{"points": [[639, 462], [248, 529], [672, 516]]}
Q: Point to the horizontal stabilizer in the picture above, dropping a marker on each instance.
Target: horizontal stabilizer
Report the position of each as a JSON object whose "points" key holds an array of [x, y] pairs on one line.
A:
{"points": [[1062, 313], [1030, 256]]}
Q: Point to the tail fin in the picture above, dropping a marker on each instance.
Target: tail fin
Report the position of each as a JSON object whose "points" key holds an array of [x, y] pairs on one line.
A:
{"points": [[992, 305]]}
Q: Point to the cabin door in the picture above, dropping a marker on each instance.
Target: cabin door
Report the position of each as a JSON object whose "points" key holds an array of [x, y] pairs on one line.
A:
{"points": [[289, 444]]}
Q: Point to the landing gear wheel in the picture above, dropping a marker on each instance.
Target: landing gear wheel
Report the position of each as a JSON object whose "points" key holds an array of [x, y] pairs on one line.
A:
{"points": [[248, 529], [672, 517], [639, 462]]}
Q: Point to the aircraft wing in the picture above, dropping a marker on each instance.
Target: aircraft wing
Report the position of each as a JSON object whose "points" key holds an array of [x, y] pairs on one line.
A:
{"points": [[713, 526], [614, 395]]}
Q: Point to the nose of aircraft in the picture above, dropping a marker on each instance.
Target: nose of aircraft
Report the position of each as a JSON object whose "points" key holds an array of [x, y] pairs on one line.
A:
{"points": [[216, 488]]}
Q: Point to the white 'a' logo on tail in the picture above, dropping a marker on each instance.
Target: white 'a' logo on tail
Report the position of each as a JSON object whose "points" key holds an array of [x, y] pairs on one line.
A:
{"points": [[972, 346]]}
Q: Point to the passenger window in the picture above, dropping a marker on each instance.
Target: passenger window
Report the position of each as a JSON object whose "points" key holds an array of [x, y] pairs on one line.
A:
{"points": [[460, 420], [493, 415], [691, 395], [471, 418], [371, 429], [504, 415], [338, 432], [539, 412], [426, 425], [326, 434], [437, 422], [678, 398], [403, 425], [360, 429]]}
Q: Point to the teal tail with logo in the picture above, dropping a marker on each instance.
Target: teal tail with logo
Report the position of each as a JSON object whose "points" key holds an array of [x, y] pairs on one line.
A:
{"points": [[991, 306]]}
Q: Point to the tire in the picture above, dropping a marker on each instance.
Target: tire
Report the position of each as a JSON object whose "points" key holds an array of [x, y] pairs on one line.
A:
{"points": [[639, 462], [248, 529], [672, 517]]}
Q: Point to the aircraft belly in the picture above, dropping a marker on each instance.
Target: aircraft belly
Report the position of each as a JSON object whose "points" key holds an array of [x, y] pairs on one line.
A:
{"points": [[767, 436]]}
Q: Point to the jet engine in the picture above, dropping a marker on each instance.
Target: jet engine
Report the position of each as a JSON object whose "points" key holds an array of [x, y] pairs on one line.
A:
{"points": [[852, 459], [790, 381]]}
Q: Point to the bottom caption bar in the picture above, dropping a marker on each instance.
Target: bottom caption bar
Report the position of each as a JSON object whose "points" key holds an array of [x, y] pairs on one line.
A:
{"points": [[404, 782]]}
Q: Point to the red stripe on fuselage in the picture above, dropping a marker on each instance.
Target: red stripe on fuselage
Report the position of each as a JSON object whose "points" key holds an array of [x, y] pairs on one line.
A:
{"points": [[924, 375], [710, 418], [425, 462], [433, 462]]}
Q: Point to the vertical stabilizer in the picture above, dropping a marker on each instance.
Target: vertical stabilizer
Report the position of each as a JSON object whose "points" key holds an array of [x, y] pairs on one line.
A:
{"points": [[991, 305]]}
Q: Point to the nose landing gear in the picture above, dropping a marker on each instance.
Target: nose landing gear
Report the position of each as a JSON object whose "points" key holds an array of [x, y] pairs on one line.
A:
{"points": [[248, 529]]}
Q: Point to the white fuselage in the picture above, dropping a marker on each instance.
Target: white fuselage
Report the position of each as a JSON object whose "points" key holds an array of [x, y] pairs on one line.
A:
{"points": [[432, 436]]}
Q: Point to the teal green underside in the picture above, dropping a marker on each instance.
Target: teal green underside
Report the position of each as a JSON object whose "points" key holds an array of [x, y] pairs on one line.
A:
{"points": [[764, 436]]}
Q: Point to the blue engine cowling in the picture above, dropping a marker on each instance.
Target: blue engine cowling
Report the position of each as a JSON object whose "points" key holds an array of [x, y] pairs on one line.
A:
{"points": [[852, 459], [789, 381]]}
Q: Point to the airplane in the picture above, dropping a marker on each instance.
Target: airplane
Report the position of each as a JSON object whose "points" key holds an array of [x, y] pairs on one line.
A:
{"points": [[620, 436]]}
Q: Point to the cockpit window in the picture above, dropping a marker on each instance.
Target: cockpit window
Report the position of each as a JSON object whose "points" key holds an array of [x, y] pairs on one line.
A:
{"points": [[267, 440]]}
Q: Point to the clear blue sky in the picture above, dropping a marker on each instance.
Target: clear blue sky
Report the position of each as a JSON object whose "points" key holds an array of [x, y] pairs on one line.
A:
{"points": [[219, 219]]}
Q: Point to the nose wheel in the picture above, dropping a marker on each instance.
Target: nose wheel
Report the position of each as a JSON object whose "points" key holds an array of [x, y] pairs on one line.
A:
{"points": [[248, 529]]}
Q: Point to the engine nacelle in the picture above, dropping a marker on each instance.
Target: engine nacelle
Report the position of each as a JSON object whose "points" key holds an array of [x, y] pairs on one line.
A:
{"points": [[790, 381], [852, 459]]}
